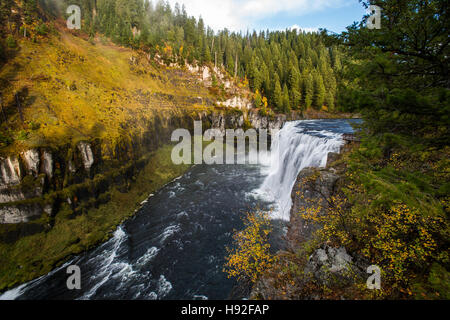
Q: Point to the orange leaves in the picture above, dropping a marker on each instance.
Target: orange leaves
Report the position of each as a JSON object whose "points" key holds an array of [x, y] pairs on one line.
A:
{"points": [[167, 49], [243, 83]]}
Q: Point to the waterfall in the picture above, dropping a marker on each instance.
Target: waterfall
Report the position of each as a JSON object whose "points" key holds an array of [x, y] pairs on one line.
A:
{"points": [[294, 148], [174, 247]]}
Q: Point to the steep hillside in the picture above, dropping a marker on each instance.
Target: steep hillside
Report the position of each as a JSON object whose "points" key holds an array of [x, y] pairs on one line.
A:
{"points": [[70, 89]]}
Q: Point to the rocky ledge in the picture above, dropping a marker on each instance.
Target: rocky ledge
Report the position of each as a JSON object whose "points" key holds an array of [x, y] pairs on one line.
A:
{"points": [[322, 266], [35, 182]]}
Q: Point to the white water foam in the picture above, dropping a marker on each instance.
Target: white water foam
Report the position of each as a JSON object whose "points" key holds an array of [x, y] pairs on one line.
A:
{"points": [[15, 293], [111, 266], [147, 257], [108, 264], [293, 150], [169, 231]]}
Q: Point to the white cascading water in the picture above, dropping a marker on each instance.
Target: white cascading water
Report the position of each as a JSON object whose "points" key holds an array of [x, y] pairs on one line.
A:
{"points": [[113, 274], [293, 150]]}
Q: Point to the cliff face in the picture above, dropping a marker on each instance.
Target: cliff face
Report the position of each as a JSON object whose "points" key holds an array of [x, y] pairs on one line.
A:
{"points": [[35, 182], [317, 265], [317, 193]]}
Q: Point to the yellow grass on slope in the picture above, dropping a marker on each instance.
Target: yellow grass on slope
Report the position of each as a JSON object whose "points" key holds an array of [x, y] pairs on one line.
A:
{"points": [[72, 89]]}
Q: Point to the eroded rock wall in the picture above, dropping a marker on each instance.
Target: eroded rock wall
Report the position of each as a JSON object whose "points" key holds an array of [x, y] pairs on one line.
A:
{"points": [[35, 182]]}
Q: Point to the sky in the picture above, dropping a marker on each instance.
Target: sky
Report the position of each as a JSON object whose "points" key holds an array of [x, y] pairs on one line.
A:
{"points": [[243, 15]]}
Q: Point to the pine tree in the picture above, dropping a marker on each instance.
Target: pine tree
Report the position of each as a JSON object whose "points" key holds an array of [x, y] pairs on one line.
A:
{"points": [[277, 94], [336, 58], [206, 55], [265, 76], [255, 76], [270, 60], [294, 78], [295, 98], [229, 60], [308, 90], [319, 91], [286, 102], [329, 100]]}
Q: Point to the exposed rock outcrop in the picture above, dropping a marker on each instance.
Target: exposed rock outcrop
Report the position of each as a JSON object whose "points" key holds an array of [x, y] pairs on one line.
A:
{"points": [[332, 157], [304, 195], [33, 189], [206, 74], [19, 186], [11, 174], [270, 123], [19, 213], [32, 161], [47, 162], [10, 171], [237, 102], [334, 267], [73, 174], [86, 154]]}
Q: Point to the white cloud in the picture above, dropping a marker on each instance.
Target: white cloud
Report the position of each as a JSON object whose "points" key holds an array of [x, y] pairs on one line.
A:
{"points": [[242, 14], [306, 29]]}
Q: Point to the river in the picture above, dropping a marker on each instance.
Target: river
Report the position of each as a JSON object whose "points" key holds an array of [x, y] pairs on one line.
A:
{"points": [[175, 246]]}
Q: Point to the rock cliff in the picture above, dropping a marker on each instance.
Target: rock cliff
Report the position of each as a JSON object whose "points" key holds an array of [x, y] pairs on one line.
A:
{"points": [[320, 266], [35, 182]]}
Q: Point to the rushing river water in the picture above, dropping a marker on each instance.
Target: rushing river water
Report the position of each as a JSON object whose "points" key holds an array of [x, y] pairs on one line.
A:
{"points": [[174, 247]]}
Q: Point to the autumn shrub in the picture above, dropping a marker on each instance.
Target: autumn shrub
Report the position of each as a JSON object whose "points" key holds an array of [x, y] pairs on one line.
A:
{"points": [[390, 211], [22, 135], [250, 256], [34, 125], [5, 140]]}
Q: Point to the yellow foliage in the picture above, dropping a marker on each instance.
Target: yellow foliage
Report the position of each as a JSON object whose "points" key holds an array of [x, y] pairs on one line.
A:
{"points": [[264, 100], [398, 239], [167, 50], [251, 256]]}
